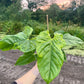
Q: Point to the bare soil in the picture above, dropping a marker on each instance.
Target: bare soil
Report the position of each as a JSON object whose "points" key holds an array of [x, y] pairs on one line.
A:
{"points": [[72, 71]]}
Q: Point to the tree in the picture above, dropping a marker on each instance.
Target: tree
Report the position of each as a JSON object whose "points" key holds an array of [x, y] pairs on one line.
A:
{"points": [[53, 12], [12, 10], [81, 14], [32, 5], [7, 2], [23, 16], [39, 15]]}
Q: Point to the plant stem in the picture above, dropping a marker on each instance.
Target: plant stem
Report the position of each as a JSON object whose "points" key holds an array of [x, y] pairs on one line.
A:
{"points": [[47, 23]]}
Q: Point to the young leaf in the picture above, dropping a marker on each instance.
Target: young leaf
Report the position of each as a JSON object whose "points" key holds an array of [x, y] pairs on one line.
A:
{"points": [[50, 56], [26, 58], [72, 40]]}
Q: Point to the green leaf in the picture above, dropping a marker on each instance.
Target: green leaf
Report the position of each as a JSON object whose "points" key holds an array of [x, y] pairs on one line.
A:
{"points": [[43, 36], [5, 46], [34, 41], [65, 59], [50, 56], [7, 43], [26, 45], [19, 41], [40, 41], [60, 32], [59, 40], [72, 40], [21, 35], [26, 58], [28, 31]]}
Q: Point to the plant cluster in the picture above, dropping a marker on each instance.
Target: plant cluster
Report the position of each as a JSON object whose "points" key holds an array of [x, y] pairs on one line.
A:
{"points": [[47, 51], [11, 27]]}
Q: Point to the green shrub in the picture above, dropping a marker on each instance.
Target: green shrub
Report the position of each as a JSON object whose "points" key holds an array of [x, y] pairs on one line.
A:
{"points": [[76, 31], [37, 27], [11, 27], [17, 27]]}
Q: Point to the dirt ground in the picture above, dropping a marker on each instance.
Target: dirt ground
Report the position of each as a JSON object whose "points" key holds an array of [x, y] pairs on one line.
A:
{"points": [[72, 71]]}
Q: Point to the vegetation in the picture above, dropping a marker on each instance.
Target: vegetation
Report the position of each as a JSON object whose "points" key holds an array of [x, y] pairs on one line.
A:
{"points": [[11, 10], [41, 48], [32, 5]]}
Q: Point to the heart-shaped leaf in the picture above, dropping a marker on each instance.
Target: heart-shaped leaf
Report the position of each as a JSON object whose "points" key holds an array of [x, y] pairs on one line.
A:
{"points": [[50, 56]]}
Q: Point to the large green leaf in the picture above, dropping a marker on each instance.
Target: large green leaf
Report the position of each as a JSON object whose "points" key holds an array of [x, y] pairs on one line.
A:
{"points": [[26, 58], [59, 40], [26, 45], [8, 42], [41, 41], [28, 31], [19, 41], [43, 36], [50, 56], [65, 58], [21, 35], [5, 46], [71, 40], [60, 31]]}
